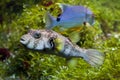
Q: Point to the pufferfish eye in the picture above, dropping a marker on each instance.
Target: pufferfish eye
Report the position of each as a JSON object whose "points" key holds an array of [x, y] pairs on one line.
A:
{"points": [[37, 35]]}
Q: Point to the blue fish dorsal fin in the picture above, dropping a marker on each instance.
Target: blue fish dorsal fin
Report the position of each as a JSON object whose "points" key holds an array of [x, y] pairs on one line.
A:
{"points": [[62, 6]]}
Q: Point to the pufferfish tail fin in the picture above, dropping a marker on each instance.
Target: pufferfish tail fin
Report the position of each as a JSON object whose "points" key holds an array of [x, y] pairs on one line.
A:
{"points": [[93, 57], [50, 21]]}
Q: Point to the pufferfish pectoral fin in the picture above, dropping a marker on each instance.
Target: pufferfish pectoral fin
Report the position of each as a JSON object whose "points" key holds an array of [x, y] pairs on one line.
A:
{"points": [[59, 44]]}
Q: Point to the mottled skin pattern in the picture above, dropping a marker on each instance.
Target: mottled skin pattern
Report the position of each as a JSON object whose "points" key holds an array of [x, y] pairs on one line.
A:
{"points": [[55, 43]]}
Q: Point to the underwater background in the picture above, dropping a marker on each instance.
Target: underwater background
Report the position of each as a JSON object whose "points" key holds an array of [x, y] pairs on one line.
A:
{"points": [[19, 63]]}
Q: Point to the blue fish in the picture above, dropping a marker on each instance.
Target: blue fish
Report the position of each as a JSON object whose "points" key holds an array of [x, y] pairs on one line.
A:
{"points": [[72, 16]]}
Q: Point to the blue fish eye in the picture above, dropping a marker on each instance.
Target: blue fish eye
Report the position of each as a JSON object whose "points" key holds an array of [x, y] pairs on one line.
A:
{"points": [[58, 19]]}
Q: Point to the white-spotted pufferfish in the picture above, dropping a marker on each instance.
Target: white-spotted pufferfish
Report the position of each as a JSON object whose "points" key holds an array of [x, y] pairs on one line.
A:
{"points": [[54, 43]]}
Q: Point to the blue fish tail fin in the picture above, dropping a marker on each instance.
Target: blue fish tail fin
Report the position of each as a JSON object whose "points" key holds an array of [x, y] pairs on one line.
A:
{"points": [[50, 21], [94, 57]]}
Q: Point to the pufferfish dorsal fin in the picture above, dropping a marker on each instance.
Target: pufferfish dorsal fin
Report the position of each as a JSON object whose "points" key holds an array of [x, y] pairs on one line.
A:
{"points": [[62, 6], [73, 34]]}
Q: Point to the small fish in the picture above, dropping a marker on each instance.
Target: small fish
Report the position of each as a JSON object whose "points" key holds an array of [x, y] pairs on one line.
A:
{"points": [[51, 42], [72, 16]]}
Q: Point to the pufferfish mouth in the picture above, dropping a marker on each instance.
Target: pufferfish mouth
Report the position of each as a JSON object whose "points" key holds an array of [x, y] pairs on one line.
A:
{"points": [[22, 39]]}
